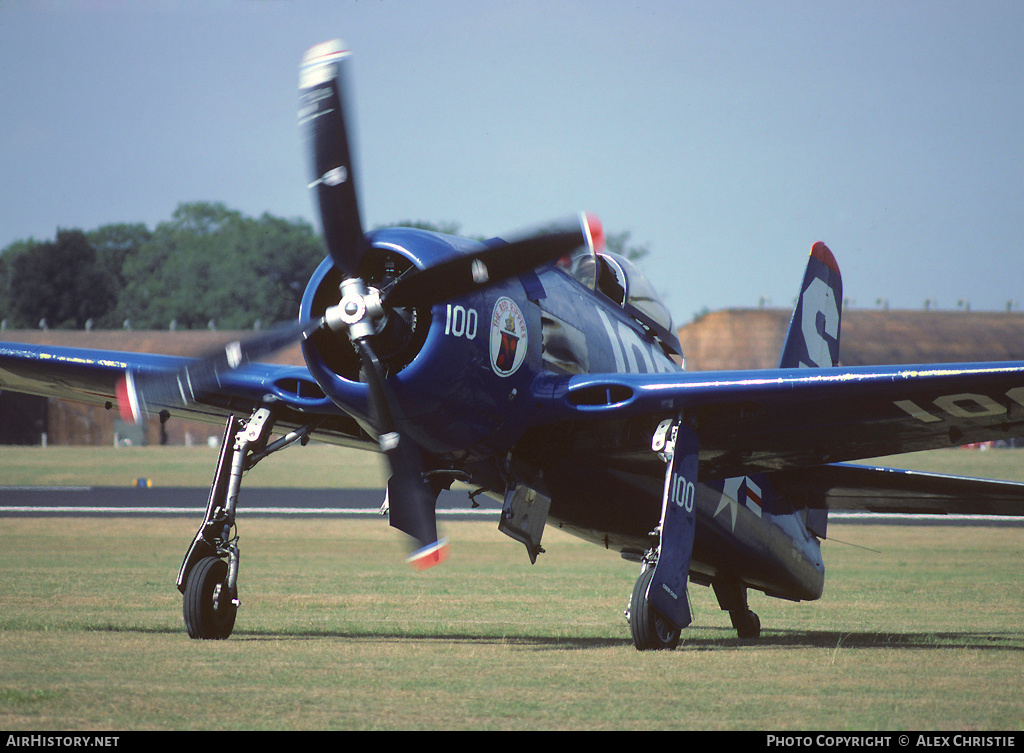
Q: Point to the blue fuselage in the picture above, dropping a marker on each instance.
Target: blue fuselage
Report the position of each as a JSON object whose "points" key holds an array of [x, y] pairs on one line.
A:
{"points": [[467, 397]]}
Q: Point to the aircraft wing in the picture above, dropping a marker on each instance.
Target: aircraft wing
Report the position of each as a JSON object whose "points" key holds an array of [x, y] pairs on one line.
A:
{"points": [[773, 420], [857, 488], [91, 376]]}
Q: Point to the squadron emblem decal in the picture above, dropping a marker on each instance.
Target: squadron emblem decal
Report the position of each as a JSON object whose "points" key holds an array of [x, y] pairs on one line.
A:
{"points": [[508, 337]]}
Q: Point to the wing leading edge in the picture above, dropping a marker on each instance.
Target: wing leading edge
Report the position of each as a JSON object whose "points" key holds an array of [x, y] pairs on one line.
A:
{"points": [[91, 376]]}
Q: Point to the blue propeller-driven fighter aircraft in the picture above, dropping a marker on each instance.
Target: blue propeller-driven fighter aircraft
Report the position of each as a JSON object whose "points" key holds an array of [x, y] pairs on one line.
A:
{"points": [[544, 370]]}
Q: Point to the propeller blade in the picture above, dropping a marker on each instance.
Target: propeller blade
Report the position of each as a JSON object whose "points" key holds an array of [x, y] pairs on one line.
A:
{"points": [[411, 498], [145, 392], [456, 277], [324, 103]]}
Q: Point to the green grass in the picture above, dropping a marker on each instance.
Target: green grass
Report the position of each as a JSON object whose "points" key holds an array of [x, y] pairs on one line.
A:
{"points": [[313, 466], [920, 628], [325, 466]]}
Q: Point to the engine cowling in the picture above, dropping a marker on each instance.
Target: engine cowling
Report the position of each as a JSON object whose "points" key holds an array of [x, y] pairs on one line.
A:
{"points": [[433, 372]]}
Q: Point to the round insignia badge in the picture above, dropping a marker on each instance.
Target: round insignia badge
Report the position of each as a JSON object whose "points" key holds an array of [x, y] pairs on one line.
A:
{"points": [[508, 337]]}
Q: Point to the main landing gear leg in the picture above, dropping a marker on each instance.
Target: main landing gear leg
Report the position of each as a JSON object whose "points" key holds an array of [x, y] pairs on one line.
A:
{"points": [[732, 598], [208, 579], [659, 608]]}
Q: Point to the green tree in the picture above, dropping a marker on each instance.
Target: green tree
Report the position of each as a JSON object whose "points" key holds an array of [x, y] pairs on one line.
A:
{"points": [[207, 263], [58, 283], [115, 244], [211, 263], [7, 282]]}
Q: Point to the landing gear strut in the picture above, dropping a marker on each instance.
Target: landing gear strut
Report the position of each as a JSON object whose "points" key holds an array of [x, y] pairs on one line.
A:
{"points": [[208, 579], [660, 607], [732, 598]]}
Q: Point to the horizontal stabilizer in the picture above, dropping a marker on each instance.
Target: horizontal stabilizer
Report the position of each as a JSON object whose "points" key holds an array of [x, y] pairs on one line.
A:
{"points": [[859, 488]]}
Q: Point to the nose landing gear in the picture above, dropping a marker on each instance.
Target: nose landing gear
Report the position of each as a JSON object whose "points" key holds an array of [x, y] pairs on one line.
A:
{"points": [[208, 579]]}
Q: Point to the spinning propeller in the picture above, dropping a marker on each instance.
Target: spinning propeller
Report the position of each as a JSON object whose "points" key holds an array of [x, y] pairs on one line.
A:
{"points": [[361, 311]]}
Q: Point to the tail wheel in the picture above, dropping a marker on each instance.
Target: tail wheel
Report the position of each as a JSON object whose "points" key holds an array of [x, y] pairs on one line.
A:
{"points": [[747, 624], [208, 607], [651, 631]]}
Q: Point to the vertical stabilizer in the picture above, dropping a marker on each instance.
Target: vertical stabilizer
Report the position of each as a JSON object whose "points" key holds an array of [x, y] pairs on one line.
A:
{"points": [[813, 336]]}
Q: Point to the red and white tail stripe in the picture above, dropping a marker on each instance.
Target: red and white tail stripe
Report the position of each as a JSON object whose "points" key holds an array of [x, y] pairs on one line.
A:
{"points": [[753, 496]]}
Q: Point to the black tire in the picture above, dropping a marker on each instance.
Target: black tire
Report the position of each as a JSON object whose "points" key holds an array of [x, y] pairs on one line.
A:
{"points": [[747, 624], [207, 607], [651, 631]]}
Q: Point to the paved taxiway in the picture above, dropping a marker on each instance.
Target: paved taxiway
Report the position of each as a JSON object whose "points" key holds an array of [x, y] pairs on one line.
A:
{"points": [[96, 501], [81, 501]]}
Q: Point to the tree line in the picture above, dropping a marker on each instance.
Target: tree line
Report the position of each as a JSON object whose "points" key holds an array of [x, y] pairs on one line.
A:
{"points": [[208, 265]]}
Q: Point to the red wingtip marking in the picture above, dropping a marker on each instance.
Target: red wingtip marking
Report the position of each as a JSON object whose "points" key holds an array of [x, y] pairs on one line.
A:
{"points": [[821, 252], [429, 556]]}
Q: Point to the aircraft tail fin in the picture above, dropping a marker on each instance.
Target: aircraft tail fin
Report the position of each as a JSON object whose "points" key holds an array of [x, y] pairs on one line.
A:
{"points": [[813, 336]]}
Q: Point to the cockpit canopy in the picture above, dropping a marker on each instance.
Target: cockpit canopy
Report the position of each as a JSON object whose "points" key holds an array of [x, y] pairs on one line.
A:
{"points": [[619, 279]]}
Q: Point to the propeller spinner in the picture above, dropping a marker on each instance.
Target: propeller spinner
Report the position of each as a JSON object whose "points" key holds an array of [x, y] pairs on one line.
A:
{"points": [[361, 309]]}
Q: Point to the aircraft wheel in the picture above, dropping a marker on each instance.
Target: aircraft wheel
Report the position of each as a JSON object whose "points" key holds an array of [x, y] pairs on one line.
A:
{"points": [[207, 607], [651, 631], [748, 624]]}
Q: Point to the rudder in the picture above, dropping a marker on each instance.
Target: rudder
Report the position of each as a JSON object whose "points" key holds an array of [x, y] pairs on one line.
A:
{"points": [[813, 336]]}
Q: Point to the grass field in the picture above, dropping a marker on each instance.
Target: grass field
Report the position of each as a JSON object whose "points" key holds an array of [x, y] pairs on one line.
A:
{"points": [[313, 466], [325, 466], [920, 628]]}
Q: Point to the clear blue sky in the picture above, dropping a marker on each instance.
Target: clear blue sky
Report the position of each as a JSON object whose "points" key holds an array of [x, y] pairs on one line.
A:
{"points": [[726, 135]]}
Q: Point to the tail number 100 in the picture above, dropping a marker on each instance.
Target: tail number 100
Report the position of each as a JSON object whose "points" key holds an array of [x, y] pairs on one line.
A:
{"points": [[460, 322], [683, 492]]}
